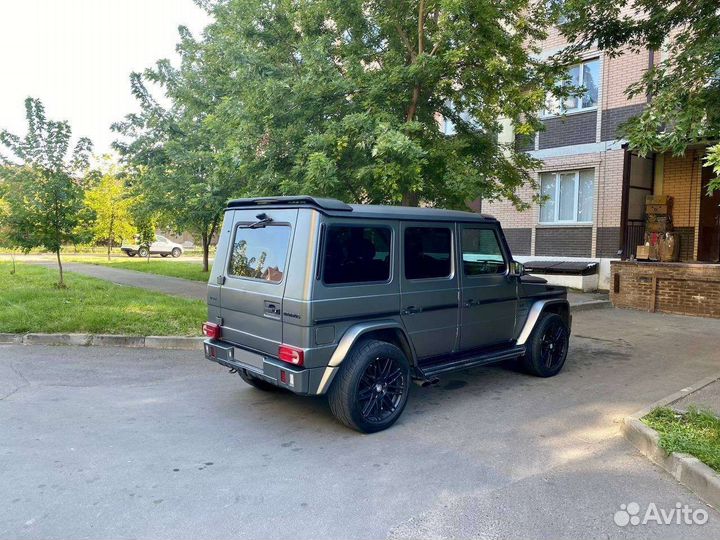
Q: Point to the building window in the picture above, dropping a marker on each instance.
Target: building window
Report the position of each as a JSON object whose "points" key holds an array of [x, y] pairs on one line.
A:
{"points": [[585, 75], [569, 196]]}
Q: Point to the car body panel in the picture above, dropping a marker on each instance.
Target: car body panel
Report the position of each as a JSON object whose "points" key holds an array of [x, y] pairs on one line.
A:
{"points": [[426, 318]]}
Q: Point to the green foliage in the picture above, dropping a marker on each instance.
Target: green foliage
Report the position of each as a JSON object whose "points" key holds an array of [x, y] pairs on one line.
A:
{"points": [[172, 152], [712, 159], [242, 265], [344, 99], [111, 206], [29, 304], [42, 191], [684, 85], [696, 432]]}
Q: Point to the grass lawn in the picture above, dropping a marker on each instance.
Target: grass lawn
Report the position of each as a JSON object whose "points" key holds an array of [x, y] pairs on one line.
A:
{"points": [[30, 302], [695, 432], [165, 267]]}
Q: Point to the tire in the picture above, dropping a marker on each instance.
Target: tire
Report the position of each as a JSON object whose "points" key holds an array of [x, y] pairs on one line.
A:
{"points": [[371, 387], [130, 253], [163, 255], [256, 382], [547, 347], [143, 252], [176, 252]]}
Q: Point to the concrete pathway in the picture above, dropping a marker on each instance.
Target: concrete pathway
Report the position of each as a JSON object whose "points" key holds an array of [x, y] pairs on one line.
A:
{"points": [[186, 288], [198, 290], [110, 443], [708, 397]]}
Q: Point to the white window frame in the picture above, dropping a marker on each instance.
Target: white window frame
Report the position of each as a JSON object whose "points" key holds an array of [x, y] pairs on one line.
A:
{"points": [[579, 109], [576, 201]]}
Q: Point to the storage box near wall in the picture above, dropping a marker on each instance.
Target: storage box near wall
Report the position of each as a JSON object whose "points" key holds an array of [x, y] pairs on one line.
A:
{"points": [[659, 199]]}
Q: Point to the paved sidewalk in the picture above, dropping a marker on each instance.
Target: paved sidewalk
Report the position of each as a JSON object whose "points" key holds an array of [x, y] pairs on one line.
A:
{"points": [[708, 397], [194, 290], [198, 290], [588, 300]]}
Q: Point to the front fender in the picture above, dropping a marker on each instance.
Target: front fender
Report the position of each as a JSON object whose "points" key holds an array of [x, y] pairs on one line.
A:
{"points": [[537, 309]]}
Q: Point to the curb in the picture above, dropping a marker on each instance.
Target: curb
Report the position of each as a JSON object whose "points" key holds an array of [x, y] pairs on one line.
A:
{"points": [[182, 343], [591, 305], [686, 469]]}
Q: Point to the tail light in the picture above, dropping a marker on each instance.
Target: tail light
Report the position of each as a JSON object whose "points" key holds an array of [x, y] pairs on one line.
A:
{"points": [[291, 355], [212, 330]]}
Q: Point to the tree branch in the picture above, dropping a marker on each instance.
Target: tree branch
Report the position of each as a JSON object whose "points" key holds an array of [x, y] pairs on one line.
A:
{"points": [[421, 27], [406, 41]]}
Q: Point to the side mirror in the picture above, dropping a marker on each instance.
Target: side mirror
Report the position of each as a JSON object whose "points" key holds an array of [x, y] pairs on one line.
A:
{"points": [[517, 269]]}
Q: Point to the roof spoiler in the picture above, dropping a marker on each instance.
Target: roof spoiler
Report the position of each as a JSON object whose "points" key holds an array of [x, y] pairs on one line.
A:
{"points": [[300, 200]]}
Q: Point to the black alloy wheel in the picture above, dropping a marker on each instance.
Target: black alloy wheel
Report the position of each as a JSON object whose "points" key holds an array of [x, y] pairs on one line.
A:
{"points": [[554, 342], [547, 347], [371, 387], [381, 389]]}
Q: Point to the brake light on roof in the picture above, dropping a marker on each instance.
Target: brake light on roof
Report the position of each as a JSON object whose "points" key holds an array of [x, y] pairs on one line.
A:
{"points": [[212, 330], [291, 355]]}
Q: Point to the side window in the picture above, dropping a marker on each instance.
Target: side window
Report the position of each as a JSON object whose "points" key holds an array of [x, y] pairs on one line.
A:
{"points": [[260, 253], [428, 252], [481, 252], [356, 254]]}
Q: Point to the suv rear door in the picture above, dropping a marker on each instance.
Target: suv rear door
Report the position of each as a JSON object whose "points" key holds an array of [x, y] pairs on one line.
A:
{"points": [[429, 295], [488, 292], [255, 268]]}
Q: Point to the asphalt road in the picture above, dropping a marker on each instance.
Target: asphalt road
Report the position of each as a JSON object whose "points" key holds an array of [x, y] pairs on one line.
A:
{"points": [[117, 443]]}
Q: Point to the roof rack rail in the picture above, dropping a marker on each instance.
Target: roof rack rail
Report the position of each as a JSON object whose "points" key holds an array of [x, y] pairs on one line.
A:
{"points": [[289, 200]]}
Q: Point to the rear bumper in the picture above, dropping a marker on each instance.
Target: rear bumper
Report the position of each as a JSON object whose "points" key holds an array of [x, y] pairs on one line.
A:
{"points": [[302, 381]]}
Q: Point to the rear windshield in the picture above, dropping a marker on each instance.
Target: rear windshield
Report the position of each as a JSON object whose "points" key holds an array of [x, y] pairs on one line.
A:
{"points": [[356, 254], [260, 253]]}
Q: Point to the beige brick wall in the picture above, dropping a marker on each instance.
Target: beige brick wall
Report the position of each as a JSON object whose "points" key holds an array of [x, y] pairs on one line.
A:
{"points": [[608, 191], [619, 73], [682, 179]]}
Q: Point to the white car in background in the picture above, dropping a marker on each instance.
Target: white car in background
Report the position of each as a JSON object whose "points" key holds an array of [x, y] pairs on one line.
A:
{"points": [[161, 246]]}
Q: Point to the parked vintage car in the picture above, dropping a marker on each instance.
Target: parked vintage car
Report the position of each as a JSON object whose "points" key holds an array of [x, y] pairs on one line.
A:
{"points": [[161, 246], [319, 297]]}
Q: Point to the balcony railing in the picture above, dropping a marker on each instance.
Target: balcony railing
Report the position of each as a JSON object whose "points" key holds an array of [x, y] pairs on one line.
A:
{"points": [[634, 237]]}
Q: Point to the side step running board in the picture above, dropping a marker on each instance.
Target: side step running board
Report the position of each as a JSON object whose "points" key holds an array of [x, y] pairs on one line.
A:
{"points": [[432, 370]]}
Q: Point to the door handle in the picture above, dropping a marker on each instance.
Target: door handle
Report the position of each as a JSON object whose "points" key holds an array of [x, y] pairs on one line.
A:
{"points": [[271, 308], [470, 303], [411, 310]]}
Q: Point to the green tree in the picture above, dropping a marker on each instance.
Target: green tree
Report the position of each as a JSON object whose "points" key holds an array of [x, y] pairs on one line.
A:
{"points": [[347, 98], [111, 204], [44, 191], [172, 152], [683, 86]]}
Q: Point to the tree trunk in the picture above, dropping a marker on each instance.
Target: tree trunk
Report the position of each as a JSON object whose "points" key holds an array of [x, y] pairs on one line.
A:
{"points": [[206, 251], [110, 236], [61, 283], [410, 199]]}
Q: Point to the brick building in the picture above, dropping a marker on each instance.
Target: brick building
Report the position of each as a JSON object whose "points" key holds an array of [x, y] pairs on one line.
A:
{"points": [[596, 188]]}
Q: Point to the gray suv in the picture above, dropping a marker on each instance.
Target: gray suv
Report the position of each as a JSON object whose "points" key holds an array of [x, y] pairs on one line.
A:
{"points": [[355, 301]]}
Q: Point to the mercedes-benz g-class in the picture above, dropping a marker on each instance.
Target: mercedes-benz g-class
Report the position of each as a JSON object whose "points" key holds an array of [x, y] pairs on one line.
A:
{"points": [[357, 301]]}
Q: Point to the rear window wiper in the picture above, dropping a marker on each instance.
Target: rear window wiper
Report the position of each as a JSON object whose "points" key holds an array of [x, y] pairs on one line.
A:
{"points": [[263, 220]]}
